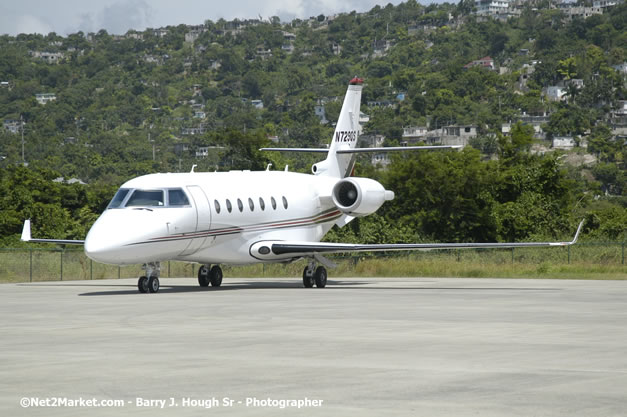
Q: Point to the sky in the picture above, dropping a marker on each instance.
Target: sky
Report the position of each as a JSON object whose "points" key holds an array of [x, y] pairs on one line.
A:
{"points": [[118, 16]]}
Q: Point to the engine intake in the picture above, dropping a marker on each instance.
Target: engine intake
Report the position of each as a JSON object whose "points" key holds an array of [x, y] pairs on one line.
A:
{"points": [[360, 196]]}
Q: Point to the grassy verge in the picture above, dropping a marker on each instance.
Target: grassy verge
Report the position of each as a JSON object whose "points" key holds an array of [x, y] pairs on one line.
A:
{"points": [[582, 262], [440, 268]]}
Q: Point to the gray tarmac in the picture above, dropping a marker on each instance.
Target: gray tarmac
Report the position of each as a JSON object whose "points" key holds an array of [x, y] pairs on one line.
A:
{"points": [[364, 347]]}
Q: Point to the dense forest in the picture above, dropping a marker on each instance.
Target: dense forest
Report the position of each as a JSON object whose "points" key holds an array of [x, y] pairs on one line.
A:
{"points": [[160, 100]]}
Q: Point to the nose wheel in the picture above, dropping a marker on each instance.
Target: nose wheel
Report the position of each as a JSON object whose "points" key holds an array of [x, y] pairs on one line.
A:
{"points": [[146, 284]]}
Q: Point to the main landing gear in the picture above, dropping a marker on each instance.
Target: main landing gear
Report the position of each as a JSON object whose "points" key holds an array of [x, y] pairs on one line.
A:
{"points": [[208, 275], [150, 281], [312, 275]]}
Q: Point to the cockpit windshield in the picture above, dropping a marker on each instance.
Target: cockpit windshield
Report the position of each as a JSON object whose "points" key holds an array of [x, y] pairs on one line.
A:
{"points": [[171, 197], [118, 198], [177, 198], [146, 198]]}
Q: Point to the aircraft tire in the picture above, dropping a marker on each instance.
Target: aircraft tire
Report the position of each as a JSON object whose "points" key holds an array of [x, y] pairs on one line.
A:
{"points": [[321, 277], [153, 284], [215, 276], [142, 284], [203, 276], [308, 280]]}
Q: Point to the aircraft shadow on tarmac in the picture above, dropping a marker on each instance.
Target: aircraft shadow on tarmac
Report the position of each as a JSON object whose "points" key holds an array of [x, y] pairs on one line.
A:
{"points": [[274, 285], [265, 285]]}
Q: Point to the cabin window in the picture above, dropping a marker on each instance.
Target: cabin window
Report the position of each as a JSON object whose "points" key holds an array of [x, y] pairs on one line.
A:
{"points": [[285, 202], [146, 198], [118, 198], [177, 198], [240, 206], [216, 203], [273, 202], [262, 204], [229, 207], [251, 204]]}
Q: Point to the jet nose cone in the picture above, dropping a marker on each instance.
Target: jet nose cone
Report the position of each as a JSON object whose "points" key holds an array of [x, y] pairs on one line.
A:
{"points": [[108, 239], [100, 246], [125, 237]]}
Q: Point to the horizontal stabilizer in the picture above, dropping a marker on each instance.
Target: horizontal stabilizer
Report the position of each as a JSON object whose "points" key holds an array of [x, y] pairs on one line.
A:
{"points": [[398, 149], [364, 150], [317, 150]]}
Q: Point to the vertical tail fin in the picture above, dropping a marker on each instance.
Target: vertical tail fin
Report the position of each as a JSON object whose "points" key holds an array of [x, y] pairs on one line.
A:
{"points": [[345, 136]]}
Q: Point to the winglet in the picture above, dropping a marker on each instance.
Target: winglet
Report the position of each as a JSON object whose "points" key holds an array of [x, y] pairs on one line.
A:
{"points": [[572, 242], [26, 237], [26, 231]]}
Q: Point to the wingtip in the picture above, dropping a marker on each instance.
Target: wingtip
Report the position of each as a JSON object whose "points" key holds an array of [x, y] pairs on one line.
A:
{"points": [[26, 231], [578, 231]]}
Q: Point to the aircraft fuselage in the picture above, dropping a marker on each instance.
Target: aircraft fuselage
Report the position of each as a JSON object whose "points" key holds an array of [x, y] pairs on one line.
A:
{"points": [[223, 215]]}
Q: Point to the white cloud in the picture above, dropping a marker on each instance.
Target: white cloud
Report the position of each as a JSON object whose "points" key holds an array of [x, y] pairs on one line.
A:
{"points": [[32, 24], [117, 16]]}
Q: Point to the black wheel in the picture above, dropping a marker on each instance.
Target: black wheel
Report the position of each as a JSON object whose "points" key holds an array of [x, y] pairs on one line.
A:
{"points": [[142, 284], [153, 284], [203, 276], [215, 276], [308, 280], [321, 277]]}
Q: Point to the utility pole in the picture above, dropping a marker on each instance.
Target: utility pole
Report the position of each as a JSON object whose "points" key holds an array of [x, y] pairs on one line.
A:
{"points": [[22, 126], [153, 146]]}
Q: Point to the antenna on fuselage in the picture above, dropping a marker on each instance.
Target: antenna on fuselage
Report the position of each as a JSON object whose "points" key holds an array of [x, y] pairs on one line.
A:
{"points": [[268, 167], [193, 166], [286, 167]]}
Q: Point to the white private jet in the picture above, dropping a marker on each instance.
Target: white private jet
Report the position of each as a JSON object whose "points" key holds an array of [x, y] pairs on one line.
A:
{"points": [[243, 217]]}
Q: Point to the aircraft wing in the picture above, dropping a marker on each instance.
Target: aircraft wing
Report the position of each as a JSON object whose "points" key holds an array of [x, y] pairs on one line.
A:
{"points": [[26, 237], [286, 248]]}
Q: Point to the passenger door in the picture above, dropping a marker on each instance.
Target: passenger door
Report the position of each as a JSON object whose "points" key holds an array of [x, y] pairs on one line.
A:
{"points": [[203, 219]]}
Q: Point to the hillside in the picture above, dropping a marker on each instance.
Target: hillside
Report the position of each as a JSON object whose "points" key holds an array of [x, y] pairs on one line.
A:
{"points": [[104, 108]]}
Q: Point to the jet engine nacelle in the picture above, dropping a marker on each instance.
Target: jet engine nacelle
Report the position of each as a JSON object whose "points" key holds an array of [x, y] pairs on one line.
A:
{"points": [[360, 196]]}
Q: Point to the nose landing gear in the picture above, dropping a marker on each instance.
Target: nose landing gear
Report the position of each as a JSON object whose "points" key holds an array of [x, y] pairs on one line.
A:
{"points": [[150, 281]]}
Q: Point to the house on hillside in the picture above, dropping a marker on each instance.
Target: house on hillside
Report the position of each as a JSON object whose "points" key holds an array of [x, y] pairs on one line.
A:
{"points": [[578, 12], [160, 33], [447, 135], [11, 125], [485, 62], [49, 57], [563, 142], [622, 68], [381, 47], [412, 134], [320, 113], [194, 34], [605, 4], [555, 92], [45, 98], [491, 7], [375, 141]]}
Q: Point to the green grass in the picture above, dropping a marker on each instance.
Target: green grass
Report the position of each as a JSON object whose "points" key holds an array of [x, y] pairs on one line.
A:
{"points": [[587, 261]]}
